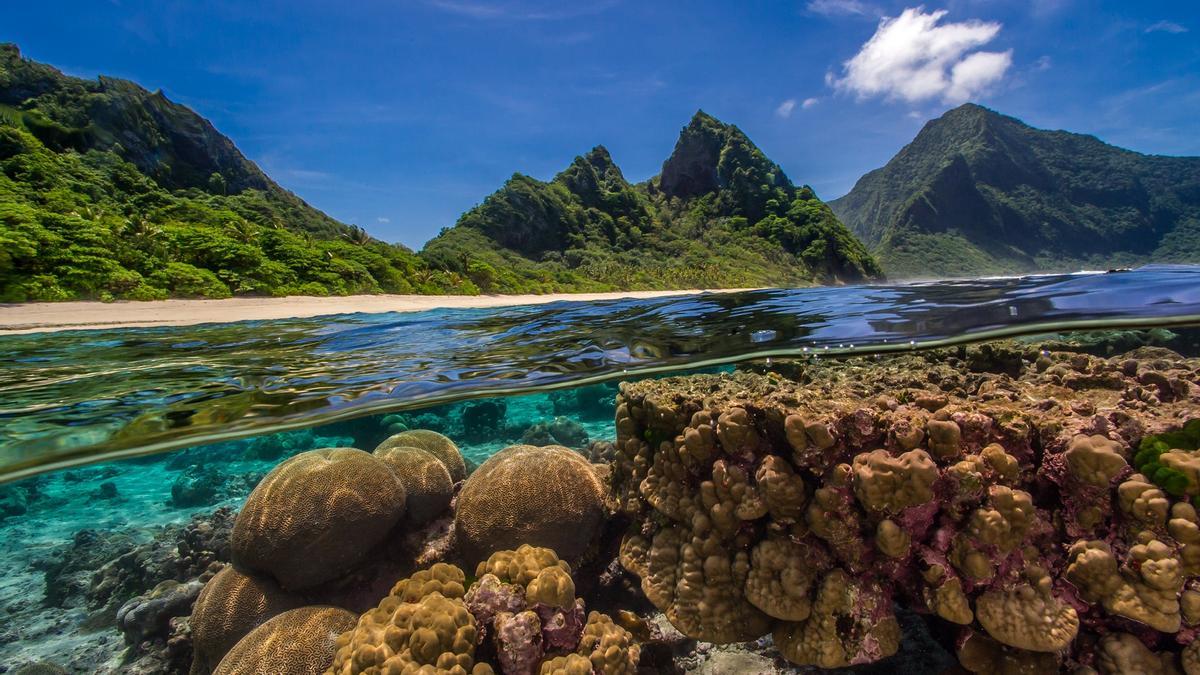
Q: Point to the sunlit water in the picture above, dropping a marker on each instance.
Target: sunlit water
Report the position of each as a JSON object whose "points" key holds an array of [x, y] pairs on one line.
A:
{"points": [[74, 397]]}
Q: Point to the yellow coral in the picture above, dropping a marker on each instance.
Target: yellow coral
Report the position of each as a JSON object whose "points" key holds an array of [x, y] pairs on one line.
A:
{"points": [[945, 438], [1002, 526], [610, 648], [891, 540], [1143, 502], [945, 596], [730, 498], [983, 655]]}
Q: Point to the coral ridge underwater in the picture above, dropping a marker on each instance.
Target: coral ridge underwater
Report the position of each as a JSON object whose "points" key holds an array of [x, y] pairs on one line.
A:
{"points": [[1010, 507]]}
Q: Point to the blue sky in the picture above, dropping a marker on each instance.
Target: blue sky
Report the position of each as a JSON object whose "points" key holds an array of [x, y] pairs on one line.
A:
{"points": [[398, 115]]}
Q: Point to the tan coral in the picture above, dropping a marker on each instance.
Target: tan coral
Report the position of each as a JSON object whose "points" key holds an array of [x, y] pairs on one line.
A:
{"points": [[1002, 526], [945, 438], [983, 655], [699, 447], [231, 605], [887, 484], [1122, 653], [1028, 616], [730, 498], [317, 514], [547, 496], [427, 483], [851, 622], [736, 432], [1143, 502], [1190, 658], [296, 642], [944, 595], [434, 443], [610, 649], [698, 582], [1149, 595], [1094, 460], [782, 575], [783, 489], [1186, 462], [1184, 527], [571, 664], [891, 540], [523, 565]]}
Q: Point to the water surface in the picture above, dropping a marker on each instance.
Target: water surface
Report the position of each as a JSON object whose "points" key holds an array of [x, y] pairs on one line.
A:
{"points": [[80, 396]]}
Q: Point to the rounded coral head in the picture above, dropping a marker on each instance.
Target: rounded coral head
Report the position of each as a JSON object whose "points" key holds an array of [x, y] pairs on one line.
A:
{"points": [[432, 442], [297, 642], [317, 514], [549, 497]]}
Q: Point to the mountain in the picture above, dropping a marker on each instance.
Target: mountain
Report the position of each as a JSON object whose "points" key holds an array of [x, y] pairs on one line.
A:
{"points": [[110, 191], [977, 192], [719, 215]]}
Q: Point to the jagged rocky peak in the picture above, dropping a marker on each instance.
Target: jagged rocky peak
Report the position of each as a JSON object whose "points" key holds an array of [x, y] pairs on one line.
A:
{"points": [[708, 155], [593, 173]]}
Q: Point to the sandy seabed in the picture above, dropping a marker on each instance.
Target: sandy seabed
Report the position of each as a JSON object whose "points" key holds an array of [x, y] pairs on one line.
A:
{"points": [[55, 316]]}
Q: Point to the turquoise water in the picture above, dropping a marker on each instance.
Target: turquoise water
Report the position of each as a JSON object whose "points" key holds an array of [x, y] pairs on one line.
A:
{"points": [[122, 445], [73, 397]]}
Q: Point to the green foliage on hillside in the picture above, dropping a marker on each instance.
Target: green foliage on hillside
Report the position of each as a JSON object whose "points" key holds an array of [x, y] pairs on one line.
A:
{"points": [[977, 192], [80, 219], [108, 191], [720, 216]]}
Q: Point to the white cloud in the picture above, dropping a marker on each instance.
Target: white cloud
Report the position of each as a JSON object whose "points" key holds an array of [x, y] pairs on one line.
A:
{"points": [[1043, 63], [809, 102], [914, 57], [840, 8], [785, 109], [383, 219], [1166, 27]]}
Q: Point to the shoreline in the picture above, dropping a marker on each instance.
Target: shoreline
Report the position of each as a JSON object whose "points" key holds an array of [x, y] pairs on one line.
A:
{"points": [[49, 317]]}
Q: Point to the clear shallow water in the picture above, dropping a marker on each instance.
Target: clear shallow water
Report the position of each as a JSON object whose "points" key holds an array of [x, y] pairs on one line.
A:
{"points": [[74, 397]]}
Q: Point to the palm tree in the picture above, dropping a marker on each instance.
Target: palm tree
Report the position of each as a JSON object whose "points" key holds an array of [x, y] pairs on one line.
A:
{"points": [[357, 235]]}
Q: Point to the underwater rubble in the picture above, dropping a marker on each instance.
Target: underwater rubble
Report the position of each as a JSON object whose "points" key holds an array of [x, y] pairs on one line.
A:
{"points": [[999, 508]]}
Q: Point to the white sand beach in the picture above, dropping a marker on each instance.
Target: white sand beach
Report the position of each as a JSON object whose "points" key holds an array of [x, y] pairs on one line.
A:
{"points": [[55, 316]]}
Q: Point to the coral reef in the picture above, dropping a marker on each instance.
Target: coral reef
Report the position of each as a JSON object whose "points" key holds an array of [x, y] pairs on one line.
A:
{"points": [[994, 488], [548, 496], [427, 484], [434, 443], [231, 605], [520, 617], [316, 514], [297, 642]]}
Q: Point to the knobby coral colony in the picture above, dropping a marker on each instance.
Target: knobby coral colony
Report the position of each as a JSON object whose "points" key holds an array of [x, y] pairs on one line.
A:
{"points": [[1036, 508], [1045, 514]]}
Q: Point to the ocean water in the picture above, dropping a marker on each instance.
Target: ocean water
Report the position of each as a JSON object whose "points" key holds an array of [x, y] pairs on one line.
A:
{"points": [[114, 442]]}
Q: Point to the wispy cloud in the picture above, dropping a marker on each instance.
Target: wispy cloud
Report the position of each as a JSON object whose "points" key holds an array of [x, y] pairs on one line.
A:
{"points": [[521, 10], [1043, 63], [383, 220], [809, 102], [914, 57], [1166, 27], [842, 8], [785, 109]]}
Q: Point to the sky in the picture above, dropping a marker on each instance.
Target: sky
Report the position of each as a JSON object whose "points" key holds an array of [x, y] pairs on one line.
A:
{"points": [[398, 115]]}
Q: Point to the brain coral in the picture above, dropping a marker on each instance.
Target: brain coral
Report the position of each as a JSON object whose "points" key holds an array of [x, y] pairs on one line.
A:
{"points": [[231, 605], [427, 484], [434, 443], [315, 515], [548, 496], [297, 642]]}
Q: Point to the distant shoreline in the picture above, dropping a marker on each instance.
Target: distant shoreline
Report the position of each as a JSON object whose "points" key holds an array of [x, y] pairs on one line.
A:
{"points": [[39, 317]]}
